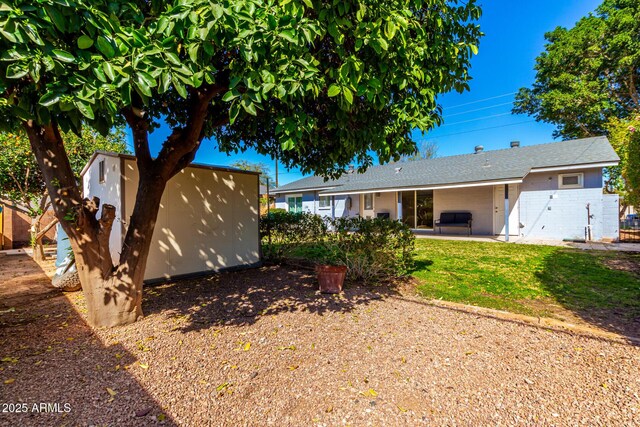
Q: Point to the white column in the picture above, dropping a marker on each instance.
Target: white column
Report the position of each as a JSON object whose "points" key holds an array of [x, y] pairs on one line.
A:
{"points": [[506, 212], [399, 199]]}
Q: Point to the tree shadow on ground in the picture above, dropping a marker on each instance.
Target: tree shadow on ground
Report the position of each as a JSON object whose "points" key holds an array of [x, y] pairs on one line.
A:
{"points": [[601, 288], [242, 297], [421, 265], [51, 356]]}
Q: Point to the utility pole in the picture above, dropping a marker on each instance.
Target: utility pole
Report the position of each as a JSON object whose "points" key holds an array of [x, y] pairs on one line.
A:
{"points": [[276, 171]]}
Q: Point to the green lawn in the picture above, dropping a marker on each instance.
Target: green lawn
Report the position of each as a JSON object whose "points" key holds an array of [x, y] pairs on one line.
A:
{"points": [[530, 279]]}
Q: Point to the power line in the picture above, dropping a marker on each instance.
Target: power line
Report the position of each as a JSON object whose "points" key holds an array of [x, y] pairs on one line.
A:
{"points": [[479, 118], [480, 100], [477, 130], [480, 109]]}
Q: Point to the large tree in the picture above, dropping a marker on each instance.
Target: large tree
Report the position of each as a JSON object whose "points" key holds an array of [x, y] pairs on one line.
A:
{"points": [[22, 185], [588, 79], [316, 83]]}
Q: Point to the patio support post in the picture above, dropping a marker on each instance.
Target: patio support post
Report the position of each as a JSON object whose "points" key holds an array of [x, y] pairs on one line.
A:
{"points": [[399, 195], [333, 207], [506, 212]]}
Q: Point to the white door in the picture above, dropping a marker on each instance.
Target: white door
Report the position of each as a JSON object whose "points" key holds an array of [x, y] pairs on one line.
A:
{"points": [[498, 210], [368, 205]]}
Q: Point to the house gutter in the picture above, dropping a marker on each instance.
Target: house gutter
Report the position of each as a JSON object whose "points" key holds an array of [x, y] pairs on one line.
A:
{"points": [[302, 190], [574, 167]]}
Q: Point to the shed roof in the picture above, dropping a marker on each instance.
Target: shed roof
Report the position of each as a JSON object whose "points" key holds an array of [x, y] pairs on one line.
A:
{"points": [[192, 165], [466, 169]]}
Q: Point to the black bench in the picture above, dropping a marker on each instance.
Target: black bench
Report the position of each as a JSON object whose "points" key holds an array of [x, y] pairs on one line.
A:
{"points": [[454, 219]]}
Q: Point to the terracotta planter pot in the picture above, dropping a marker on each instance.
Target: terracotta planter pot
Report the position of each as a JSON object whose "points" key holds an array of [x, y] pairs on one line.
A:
{"points": [[331, 278]]}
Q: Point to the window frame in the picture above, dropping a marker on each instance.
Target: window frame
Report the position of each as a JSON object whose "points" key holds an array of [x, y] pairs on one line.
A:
{"points": [[326, 199], [579, 175], [364, 202], [102, 171], [295, 197]]}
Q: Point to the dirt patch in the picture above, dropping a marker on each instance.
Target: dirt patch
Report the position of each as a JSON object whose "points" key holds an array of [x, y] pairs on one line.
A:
{"points": [[23, 280], [629, 264], [263, 347]]}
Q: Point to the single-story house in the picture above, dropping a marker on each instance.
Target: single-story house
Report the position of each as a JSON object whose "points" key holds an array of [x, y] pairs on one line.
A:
{"points": [[208, 218], [547, 191]]}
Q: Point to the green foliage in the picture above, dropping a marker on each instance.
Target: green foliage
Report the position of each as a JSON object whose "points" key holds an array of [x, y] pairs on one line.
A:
{"points": [[287, 231], [587, 77], [372, 249], [624, 135], [314, 82], [589, 73], [265, 173], [20, 179]]}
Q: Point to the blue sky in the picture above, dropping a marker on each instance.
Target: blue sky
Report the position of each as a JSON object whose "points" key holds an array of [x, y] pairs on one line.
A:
{"points": [[514, 36]]}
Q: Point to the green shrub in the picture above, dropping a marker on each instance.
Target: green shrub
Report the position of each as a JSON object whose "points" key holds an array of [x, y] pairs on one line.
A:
{"points": [[372, 249], [276, 210], [283, 232]]}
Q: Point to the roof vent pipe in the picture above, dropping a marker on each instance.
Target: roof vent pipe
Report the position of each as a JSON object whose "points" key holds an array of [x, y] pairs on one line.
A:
{"points": [[351, 168], [479, 148], [515, 144]]}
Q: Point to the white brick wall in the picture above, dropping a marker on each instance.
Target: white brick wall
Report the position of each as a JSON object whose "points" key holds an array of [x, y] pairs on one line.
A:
{"points": [[611, 210], [548, 212]]}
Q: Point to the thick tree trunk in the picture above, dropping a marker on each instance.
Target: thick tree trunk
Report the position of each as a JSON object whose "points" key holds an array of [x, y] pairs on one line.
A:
{"points": [[114, 293], [117, 298]]}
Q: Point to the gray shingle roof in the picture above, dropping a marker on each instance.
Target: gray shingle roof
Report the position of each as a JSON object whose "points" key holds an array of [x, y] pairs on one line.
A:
{"points": [[496, 165]]}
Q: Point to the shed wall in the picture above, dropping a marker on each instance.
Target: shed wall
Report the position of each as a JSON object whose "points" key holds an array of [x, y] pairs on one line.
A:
{"points": [[208, 220], [109, 192]]}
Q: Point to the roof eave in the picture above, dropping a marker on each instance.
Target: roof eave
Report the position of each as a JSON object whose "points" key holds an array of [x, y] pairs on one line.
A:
{"points": [[302, 190], [515, 180], [575, 167]]}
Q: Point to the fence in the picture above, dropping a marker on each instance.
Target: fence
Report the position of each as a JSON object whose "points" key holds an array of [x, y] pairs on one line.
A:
{"points": [[630, 230]]}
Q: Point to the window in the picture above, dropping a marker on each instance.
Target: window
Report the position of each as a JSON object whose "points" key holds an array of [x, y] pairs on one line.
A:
{"points": [[101, 171], [324, 202], [368, 201], [571, 180], [295, 204]]}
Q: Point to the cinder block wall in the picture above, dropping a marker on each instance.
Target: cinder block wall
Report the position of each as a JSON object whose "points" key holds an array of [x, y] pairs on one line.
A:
{"points": [[16, 226]]}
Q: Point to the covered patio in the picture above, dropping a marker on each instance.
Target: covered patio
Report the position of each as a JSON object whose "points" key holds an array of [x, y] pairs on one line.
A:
{"points": [[494, 206]]}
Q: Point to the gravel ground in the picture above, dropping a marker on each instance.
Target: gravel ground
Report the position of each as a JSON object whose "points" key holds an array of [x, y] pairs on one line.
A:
{"points": [[262, 347]]}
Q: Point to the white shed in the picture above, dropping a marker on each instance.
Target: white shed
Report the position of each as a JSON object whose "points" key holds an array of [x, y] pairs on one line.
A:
{"points": [[208, 218]]}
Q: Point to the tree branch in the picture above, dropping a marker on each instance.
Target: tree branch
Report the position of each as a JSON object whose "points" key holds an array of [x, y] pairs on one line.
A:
{"points": [[48, 148], [46, 229], [140, 130], [185, 141], [106, 224], [633, 90]]}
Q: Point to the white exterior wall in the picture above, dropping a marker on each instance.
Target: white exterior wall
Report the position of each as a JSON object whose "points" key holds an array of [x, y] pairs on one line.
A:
{"points": [[385, 202], [550, 212], [610, 215], [109, 192], [311, 204], [208, 220], [477, 200]]}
